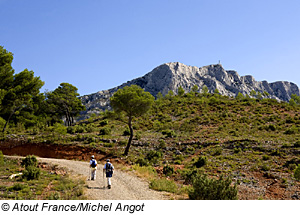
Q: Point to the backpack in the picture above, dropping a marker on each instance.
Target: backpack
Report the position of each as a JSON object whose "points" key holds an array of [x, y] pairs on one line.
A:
{"points": [[109, 168], [93, 165]]}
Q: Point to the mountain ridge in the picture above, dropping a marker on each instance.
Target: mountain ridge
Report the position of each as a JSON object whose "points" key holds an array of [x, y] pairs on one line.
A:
{"points": [[171, 76]]}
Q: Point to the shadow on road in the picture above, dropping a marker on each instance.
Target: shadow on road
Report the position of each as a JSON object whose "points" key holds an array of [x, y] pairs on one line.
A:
{"points": [[96, 188]]}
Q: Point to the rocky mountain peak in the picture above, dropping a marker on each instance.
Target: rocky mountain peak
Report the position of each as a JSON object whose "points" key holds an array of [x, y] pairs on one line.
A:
{"points": [[171, 76]]}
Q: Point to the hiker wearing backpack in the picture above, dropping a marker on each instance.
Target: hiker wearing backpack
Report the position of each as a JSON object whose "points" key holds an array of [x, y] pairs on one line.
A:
{"points": [[109, 170], [93, 166]]}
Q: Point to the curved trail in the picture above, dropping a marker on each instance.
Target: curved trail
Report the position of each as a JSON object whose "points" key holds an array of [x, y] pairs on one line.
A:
{"points": [[124, 185]]}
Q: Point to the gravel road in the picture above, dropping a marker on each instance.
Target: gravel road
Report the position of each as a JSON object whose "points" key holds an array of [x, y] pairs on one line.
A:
{"points": [[125, 186]]}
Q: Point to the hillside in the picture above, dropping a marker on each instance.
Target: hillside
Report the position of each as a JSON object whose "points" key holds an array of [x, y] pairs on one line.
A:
{"points": [[171, 76], [253, 141]]}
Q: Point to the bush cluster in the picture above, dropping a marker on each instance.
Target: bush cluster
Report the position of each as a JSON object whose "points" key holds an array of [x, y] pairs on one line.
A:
{"points": [[29, 160], [297, 173], [152, 157], [105, 131], [31, 170], [212, 189], [202, 161], [169, 133], [168, 170]]}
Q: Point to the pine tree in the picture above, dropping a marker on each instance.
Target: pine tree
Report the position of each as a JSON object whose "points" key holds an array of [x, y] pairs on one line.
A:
{"points": [[134, 101]]}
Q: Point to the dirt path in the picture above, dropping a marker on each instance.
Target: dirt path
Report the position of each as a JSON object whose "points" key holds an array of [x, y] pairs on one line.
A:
{"points": [[124, 185]]}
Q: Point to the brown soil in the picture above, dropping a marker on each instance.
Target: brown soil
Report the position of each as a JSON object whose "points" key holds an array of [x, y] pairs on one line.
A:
{"points": [[68, 151]]}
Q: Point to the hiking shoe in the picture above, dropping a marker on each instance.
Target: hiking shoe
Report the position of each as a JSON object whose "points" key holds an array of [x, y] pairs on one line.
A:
{"points": [[109, 186]]}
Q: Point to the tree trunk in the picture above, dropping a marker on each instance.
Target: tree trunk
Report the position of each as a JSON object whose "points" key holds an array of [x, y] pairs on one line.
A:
{"points": [[67, 120], [10, 115], [130, 138]]}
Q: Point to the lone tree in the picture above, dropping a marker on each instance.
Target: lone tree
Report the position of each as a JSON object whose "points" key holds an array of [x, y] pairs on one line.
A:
{"points": [[134, 101]]}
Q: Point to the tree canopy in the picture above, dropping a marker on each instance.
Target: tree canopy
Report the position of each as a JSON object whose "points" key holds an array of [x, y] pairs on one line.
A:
{"points": [[64, 101], [134, 101], [17, 91]]}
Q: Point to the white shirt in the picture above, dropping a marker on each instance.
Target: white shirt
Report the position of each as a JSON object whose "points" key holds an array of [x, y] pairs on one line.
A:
{"points": [[92, 161]]}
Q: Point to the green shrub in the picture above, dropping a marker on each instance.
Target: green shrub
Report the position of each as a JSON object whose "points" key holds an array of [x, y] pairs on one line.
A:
{"points": [[190, 150], [90, 128], [237, 150], [109, 145], [204, 188], [92, 144], [265, 157], [123, 142], [1, 159], [103, 122], [16, 187], [202, 161], [153, 156], [217, 151], [271, 127], [60, 129], [80, 129], [90, 139], [297, 144], [291, 130], [178, 162], [188, 175], [71, 130], [292, 166], [169, 133], [145, 171], [105, 131], [31, 172], [276, 152], [163, 185], [142, 162], [126, 132], [162, 144], [138, 135], [297, 173], [2, 123], [168, 170], [178, 159], [157, 125], [265, 167], [54, 196], [29, 160]]}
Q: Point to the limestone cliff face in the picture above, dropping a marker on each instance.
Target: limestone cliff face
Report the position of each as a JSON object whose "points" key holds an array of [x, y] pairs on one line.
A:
{"points": [[171, 76]]}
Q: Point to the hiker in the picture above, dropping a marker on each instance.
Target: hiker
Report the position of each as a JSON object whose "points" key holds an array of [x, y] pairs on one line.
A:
{"points": [[93, 166], [108, 169]]}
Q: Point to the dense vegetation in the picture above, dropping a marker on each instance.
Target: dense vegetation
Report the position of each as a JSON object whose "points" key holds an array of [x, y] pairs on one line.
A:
{"points": [[183, 140], [185, 136]]}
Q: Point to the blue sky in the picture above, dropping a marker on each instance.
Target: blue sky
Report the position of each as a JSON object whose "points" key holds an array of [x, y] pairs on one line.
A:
{"points": [[99, 44]]}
